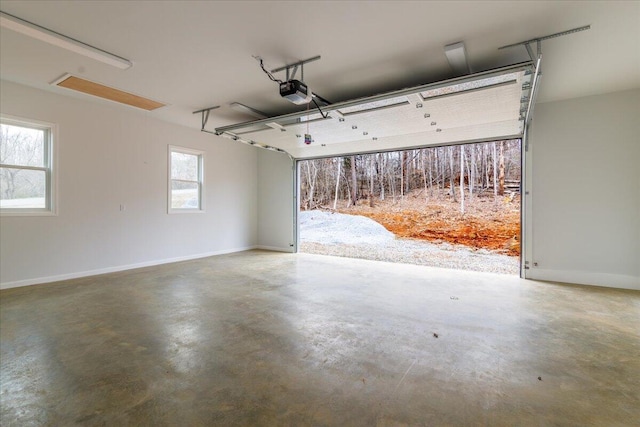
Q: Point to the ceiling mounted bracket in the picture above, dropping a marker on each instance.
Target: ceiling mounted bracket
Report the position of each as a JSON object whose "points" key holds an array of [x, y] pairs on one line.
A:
{"points": [[292, 69], [532, 56], [536, 58], [293, 73], [538, 41], [205, 115], [248, 110], [534, 91]]}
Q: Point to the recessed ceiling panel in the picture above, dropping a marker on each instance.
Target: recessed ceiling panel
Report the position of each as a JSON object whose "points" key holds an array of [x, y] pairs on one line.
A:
{"points": [[106, 92], [476, 108]]}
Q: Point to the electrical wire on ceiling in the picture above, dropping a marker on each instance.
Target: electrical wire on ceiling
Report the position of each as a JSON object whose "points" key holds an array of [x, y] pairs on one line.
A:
{"points": [[261, 61], [324, 115]]}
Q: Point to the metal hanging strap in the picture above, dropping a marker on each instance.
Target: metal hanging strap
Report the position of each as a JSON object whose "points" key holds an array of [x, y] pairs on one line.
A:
{"points": [[205, 115], [538, 41], [292, 69]]}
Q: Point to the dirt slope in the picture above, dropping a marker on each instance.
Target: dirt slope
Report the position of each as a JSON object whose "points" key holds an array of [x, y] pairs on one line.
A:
{"points": [[487, 223]]}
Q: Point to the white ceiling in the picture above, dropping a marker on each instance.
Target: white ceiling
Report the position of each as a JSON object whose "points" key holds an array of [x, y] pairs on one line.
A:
{"points": [[193, 55]]}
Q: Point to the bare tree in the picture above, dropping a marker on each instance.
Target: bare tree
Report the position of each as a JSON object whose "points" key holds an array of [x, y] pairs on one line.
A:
{"points": [[381, 163], [501, 170], [312, 173], [354, 181], [372, 171], [451, 184], [323, 182], [21, 147], [495, 169], [462, 179], [335, 200], [472, 169]]}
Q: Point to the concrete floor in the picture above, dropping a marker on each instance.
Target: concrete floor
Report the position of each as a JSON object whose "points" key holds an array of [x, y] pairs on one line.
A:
{"points": [[270, 339]]}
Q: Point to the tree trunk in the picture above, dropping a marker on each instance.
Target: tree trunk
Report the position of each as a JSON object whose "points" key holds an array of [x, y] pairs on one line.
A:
{"points": [[335, 199], [442, 167], [436, 160], [472, 170], [410, 169], [485, 162], [501, 170], [451, 183], [372, 171], [462, 179], [402, 154], [381, 176], [354, 181], [391, 178], [311, 179], [495, 170]]}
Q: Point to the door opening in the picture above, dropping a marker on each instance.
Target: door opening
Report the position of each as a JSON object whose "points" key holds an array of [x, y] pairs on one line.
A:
{"points": [[456, 206]]}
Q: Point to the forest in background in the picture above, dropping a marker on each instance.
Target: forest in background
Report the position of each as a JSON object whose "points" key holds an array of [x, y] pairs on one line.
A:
{"points": [[490, 168]]}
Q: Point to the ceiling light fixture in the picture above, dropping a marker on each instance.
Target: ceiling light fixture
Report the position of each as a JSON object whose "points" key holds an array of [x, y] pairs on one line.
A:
{"points": [[457, 57], [48, 36]]}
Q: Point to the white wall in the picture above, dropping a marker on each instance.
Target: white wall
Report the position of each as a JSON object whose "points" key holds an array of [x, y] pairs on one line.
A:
{"points": [[586, 190], [110, 155], [276, 204]]}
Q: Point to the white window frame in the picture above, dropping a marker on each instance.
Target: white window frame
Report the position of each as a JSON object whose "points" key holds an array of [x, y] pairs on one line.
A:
{"points": [[50, 160], [200, 182]]}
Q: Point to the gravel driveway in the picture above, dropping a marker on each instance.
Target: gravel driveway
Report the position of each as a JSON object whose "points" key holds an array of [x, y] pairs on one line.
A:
{"points": [[356, 236]]}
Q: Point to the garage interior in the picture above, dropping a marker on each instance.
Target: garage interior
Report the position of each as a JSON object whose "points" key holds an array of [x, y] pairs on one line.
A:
{"points": [[119, 308]]}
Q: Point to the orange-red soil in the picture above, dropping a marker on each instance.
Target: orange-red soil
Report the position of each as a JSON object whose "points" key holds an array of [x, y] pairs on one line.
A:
{"points": [[486, 223]]}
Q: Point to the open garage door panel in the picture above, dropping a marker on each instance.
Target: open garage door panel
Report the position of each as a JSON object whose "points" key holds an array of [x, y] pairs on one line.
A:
{"points": [[481, 107]]}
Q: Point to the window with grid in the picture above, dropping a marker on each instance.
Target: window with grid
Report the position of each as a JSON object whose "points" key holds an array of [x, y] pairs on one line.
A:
{"points": [[185, 180], [26, 167]]}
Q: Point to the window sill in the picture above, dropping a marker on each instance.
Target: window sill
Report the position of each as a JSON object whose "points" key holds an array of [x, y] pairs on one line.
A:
{"points": [[7, 213], [185, 211]]}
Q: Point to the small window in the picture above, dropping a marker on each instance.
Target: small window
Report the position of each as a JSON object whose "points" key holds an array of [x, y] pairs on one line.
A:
{"points": [[26, 167], [185, 180]]}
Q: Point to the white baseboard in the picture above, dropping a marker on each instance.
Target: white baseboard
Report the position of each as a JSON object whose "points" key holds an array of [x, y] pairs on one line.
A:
{"points": [[586, 278], [576, 277], [274, 248], [57, 278]]}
